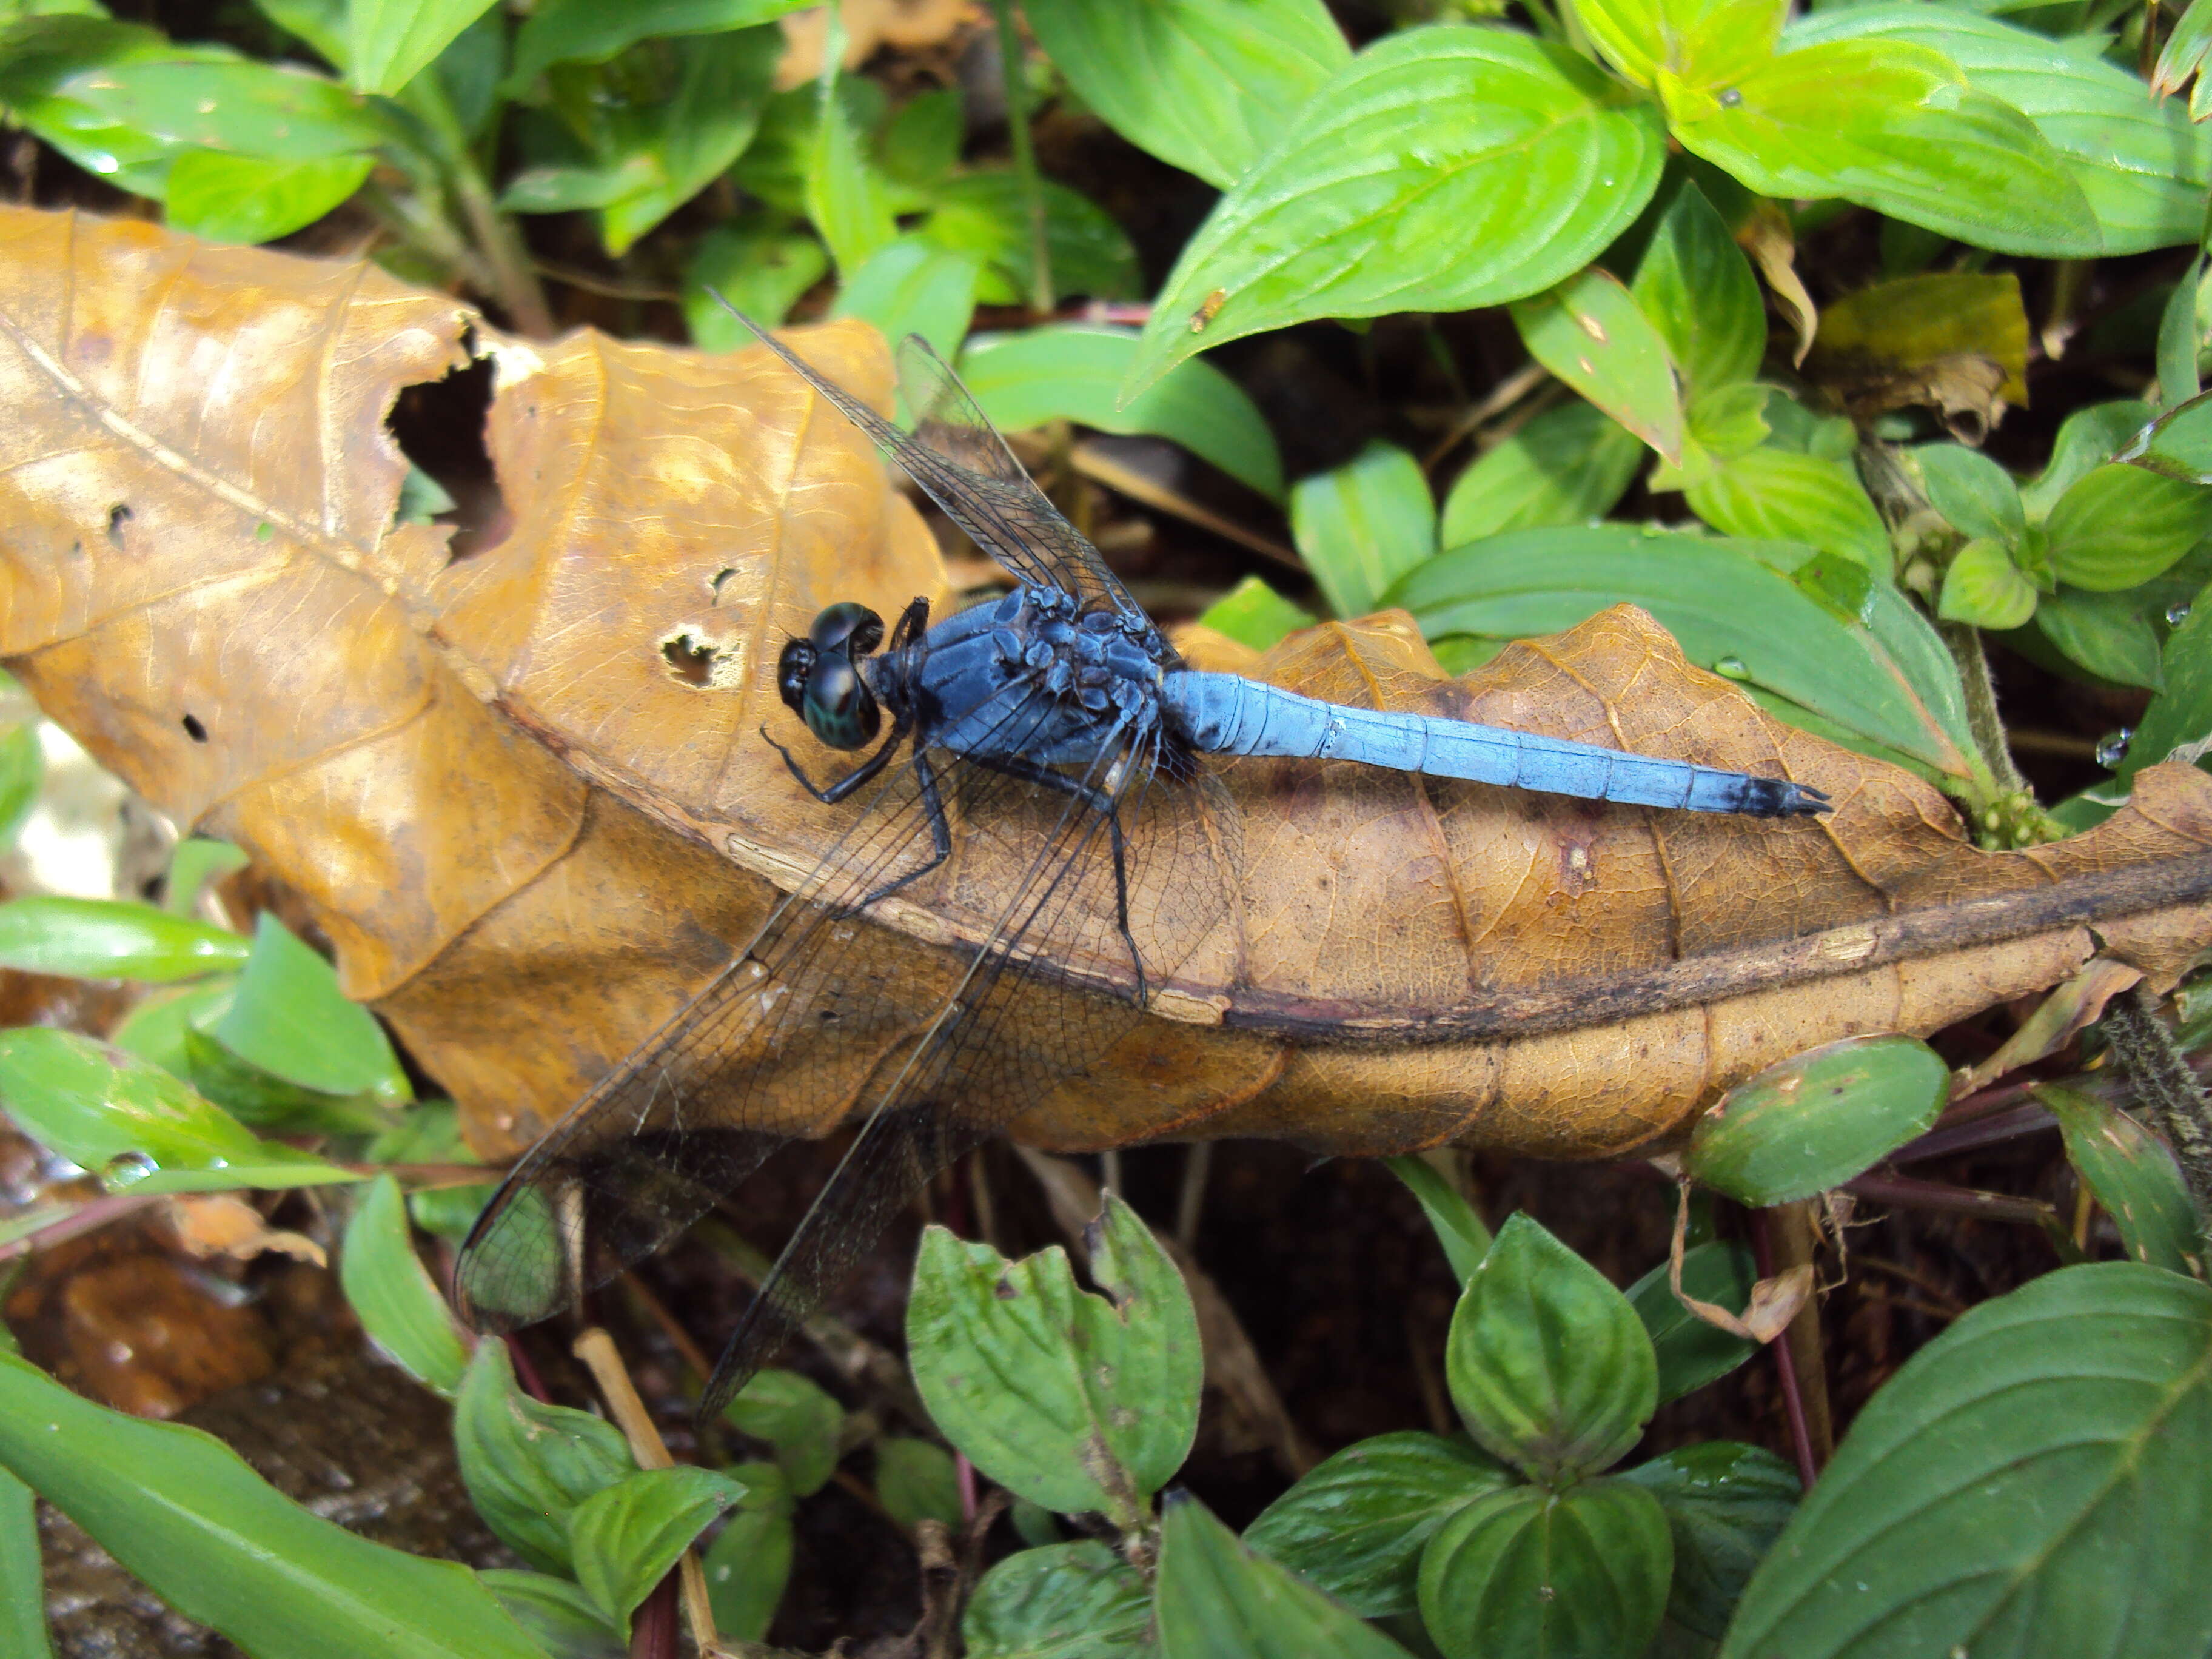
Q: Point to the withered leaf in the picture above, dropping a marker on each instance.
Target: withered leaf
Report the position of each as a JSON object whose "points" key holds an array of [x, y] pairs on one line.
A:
{"points": [[522, 787]]}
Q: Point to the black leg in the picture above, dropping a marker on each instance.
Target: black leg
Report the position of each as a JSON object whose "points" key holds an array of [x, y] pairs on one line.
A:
{"points": [[1100, 802], [913, 623], [940, 832], [853, 780]]}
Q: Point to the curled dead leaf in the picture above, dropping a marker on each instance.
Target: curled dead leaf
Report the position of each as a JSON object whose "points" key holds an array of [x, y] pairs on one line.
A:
{"points": [[1774, 1301], [1954, 341], [517, 774], [224, 1224]]}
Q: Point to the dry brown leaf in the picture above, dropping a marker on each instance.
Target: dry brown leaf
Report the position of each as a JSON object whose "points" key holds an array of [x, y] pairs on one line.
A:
{"points": [[2062, 1016], [523, 789], [224, 1224]]}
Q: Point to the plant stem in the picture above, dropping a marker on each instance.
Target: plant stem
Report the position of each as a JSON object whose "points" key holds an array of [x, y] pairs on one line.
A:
{"points": [[1785, 1361], [505, 262], [1025, 166], [2165, 1081], [1964, 644], [429, 234]]}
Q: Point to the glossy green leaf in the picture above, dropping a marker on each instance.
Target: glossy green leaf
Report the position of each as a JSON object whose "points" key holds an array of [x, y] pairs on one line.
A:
{"points": [[593, 32], [2032, 1482], [156, 1027], [749, 1563], [244, 199], [1077, 1600], [1972, 492], [1362, 525], [2086, 439], [2176, 445], [1875, 676], [2183, 56], [289, 1019], [1892, 125], [133, 1124], [22, 772], [183, 1513], [2106, 633], [847, 198], [624, 1538], [1355, 1525], [2120, 525], [2134, 1176], [776, 164], [1697, 287], [794, 1415], [196, 862], [2182, 713], [1464, 1234], [265, 1103], [1526, 161], [915, 1480], [528, 1465], [1724, 1504], [1701, 42], [1254, 614], [1077, 1402], [559, 1617], [912, 287], [1814, 1121], [1777, 494], [1983, 587], [51, 73], [22, 1575], [690, 139], [1690, 1351], [1579, 1573], [1205, 87], [1216, 1597], [2143, 166], [1590, 332], [1548, 1365], [390, 42], [1569, 465], [111, 939], [2180, 340], [1073, 372], [391, 1293], [760, 270], [985, 214]]}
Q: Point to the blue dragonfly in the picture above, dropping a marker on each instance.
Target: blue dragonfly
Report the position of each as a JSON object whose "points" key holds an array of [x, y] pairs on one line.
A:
{"points": [[1057, 720]]}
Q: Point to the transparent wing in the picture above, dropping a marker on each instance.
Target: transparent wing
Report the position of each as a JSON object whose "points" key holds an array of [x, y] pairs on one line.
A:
{"points": [[957, 455]]}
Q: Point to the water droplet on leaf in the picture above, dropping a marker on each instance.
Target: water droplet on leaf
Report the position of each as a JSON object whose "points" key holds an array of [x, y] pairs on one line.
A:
{"points": [[2113, 748], [1732, 667], [2177, 614]]}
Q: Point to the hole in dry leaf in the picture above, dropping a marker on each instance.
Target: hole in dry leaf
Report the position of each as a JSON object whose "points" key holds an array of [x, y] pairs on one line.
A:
{"points": [[691, 659], [439, 425], [194, 729], [715, 586], [117, 516]]}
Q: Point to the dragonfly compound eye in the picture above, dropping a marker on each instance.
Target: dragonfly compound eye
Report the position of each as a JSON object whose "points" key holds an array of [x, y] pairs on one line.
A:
{"points": [[852, 628], [792, 669], [837, 704]]}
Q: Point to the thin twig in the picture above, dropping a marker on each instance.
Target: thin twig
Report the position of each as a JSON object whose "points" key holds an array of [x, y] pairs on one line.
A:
{"points": [[513, 284], [87, 1217], [1909, 1193], [611, 286], [1502, 397], [1785, 1364], [1190, 1202], [1092, 461]]}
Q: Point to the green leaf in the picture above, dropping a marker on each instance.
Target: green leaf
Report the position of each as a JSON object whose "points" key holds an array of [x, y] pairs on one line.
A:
{"points": [[1690, 1351], [776, 166], [1590, 332], [560, 1618], [1696, 287], [1205, 87], [1972, 492], [1359, 211], [1363, 525], [688, 140], [1548, 1365], [197, 861], [749, 1563], [243, 198], [593, 32], [1581, 1571], [1254, 614], [2120, 525], [2178, 444], [111, 939], [2184, 53], [263, 1101], [1215, 1597], [1568, 466], [2134, 1176], [289, 1019], [1073, 372], [390, 42], [624, 1538], [22, 1575], [1698, 41], [1077, 1600], [50, 70], [1355, 1525], [182, 1512], [915, 1480], [910, 287], [922, 140], [2182, 713], [23, 773], [2143, 167], [986, 213], [158, 1027], [1892, 125], [1872, 676], [1776, 493], [1074, 1401], [528, 1465], [847, 198], [2180, 340], [2106, 633], [391, 1293], [1463, 1234], [2030, 1482], [133, 1124], [1724, 1504], [1814, 1121], [2086, 439], [760, 270], [794, 1415], [1983, 587]]}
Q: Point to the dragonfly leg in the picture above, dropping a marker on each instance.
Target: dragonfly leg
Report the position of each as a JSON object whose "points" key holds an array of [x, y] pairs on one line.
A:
{"points": [[1104, 804], [854, 778], [940, 832]]}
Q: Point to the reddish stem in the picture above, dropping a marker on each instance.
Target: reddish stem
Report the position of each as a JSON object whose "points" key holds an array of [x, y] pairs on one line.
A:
{"points": [[966, 1472], [1785, 1363], [525, 1372], [87, 1217], [652, 1632]]}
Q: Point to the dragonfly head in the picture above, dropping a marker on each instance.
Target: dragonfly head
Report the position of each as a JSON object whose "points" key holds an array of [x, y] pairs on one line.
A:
{"points": [[820, 681]]}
